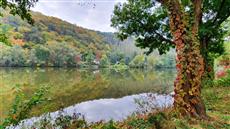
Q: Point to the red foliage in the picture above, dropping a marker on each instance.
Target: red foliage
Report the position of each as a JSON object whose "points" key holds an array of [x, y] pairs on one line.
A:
{"points": [[98, 55], [221, 74], [227, 67], [19, 42], [178, 66], [178, 57]]}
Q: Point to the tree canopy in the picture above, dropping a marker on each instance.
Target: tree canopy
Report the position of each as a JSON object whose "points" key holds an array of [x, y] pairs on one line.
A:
{"points": [[148, 22]]}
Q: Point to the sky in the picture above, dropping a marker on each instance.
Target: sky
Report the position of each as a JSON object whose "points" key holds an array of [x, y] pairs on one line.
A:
{"points": [[91, 14]]}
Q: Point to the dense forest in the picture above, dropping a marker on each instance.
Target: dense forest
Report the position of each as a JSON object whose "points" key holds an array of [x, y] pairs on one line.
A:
{"points": [[54, 42]]}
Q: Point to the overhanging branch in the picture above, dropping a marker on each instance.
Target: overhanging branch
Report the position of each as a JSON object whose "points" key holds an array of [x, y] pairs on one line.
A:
{"points": [[163, 38]]}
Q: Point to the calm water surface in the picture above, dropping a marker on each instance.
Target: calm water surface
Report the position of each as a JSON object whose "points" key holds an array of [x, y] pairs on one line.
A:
{"points": [[94, 93]]}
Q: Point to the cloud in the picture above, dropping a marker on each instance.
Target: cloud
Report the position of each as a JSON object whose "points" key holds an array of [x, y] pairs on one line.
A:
{"points": [[91, 14]]}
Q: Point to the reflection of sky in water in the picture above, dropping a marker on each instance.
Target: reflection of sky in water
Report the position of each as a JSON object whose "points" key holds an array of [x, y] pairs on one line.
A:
{"points": [[74, 86], [106, 109]]}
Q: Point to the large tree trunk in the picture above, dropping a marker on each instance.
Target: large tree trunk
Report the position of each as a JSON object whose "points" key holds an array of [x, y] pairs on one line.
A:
{"points": [[189, 61], [187, 86]]}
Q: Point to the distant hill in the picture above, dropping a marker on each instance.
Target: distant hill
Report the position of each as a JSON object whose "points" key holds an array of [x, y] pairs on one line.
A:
{"points": [[52, 34], [55, 42], [127, 46], [50, 29]]}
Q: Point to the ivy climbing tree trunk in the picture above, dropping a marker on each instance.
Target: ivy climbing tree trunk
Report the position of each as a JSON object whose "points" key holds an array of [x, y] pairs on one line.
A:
{"points": [[189, 61]]}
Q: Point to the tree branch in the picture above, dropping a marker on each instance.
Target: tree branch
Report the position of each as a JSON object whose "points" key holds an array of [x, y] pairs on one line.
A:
{"points": [[163, 38]]}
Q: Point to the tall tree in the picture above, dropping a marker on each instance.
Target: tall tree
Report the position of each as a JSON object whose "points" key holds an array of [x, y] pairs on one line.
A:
{"points": [[148, 21], [211, 33], [184, 24]]}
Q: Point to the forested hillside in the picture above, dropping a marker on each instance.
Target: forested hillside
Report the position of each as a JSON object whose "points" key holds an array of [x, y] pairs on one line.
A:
{"points": [[54, 42]]}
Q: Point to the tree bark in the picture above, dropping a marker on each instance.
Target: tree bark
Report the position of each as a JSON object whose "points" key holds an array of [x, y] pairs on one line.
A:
{"points": [[189, 61], [209, 73]]}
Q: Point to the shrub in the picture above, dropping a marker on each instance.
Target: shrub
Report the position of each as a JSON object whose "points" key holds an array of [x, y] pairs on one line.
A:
{"points": [[224, 80], [21, 108]]}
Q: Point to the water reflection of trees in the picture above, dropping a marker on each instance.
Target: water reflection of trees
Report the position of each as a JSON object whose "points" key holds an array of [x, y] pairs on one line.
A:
{"points": [[69, 86]]}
